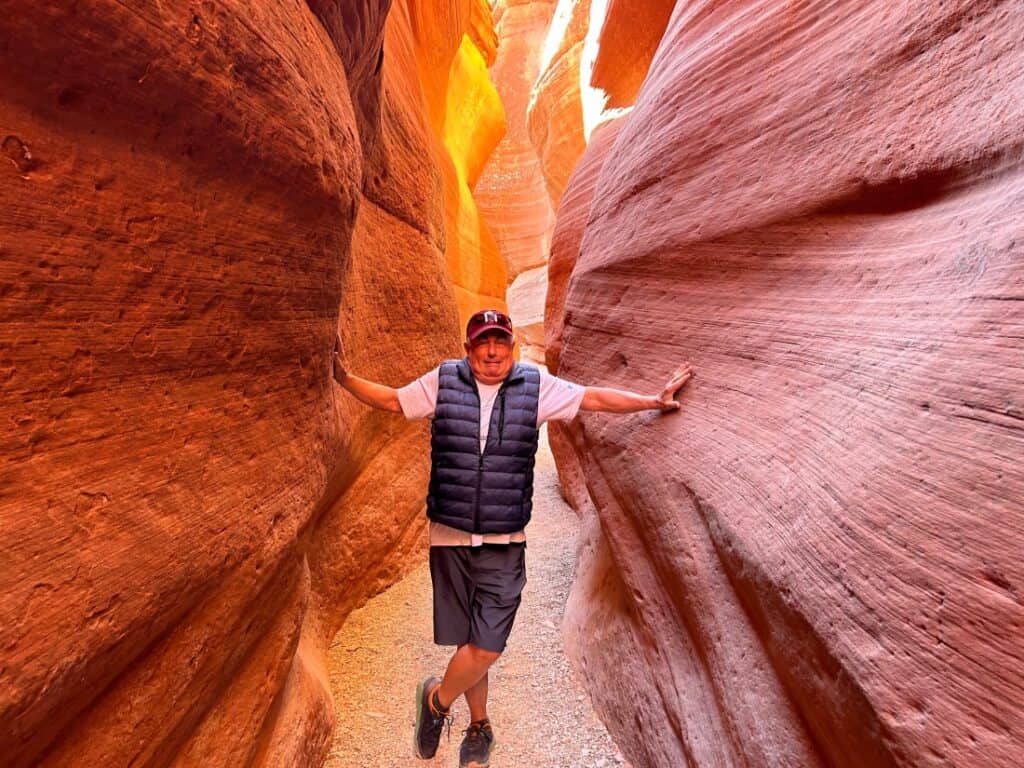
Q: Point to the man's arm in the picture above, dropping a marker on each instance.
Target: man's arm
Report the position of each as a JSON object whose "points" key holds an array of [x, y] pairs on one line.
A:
{"points": [[616, 400], [620, 401], [369, 392]]}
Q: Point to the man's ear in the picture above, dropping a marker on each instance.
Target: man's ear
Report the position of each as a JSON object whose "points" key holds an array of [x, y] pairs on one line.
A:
{"points": [[465, 346]]}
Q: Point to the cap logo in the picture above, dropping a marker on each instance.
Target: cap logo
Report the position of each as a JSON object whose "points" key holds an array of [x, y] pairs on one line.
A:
{"points": [[490, 317]]}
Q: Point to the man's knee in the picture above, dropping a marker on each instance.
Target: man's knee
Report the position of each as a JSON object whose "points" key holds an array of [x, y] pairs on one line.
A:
{"points": [[482, 655]]}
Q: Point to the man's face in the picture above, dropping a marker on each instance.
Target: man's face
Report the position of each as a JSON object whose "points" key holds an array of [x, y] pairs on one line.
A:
{"points": [[490, 356]]}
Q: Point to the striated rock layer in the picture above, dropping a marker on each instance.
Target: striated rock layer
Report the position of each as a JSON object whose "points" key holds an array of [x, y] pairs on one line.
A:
{"points": [[568, 237], [626, 44], [511, 192], [555, 109], [526, 300], [818, 560], [188, 508], [467, 121]]}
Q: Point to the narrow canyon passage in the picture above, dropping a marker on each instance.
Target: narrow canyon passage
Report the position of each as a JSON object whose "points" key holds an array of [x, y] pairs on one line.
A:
{"points": [[542, 715], [816, 562]]}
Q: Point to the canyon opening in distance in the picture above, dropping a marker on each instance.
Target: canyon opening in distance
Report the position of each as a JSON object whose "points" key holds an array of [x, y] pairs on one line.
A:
{"points": [[820, 205]]}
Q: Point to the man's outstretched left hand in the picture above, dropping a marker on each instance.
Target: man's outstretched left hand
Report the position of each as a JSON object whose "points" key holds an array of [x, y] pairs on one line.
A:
{"points": [[666, 400]]}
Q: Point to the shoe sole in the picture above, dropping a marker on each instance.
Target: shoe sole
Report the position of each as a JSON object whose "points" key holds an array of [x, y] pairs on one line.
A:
{"points": [[475, 764], [419, 716]]}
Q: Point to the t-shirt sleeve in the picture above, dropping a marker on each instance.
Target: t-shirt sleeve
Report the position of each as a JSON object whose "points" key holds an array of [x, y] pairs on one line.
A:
{"points": [[419, 397], [559, 400]]}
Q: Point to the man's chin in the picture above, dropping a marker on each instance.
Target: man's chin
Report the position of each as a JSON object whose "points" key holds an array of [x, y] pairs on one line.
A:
{"points": [[493, 371]]}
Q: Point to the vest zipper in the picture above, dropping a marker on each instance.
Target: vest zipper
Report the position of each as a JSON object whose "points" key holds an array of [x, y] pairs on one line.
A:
{"points": [[480, 464], [479, 481], [501, 416]]}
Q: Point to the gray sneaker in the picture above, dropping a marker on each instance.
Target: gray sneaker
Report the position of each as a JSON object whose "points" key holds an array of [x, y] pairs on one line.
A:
{"points": [[427, 733], [475, 751]]}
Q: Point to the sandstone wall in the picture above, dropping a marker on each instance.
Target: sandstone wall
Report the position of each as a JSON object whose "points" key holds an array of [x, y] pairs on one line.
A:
{"points": [[189, 509], [467, 121], [626, 44], [555, 109], [817, 561], [511, 191]]}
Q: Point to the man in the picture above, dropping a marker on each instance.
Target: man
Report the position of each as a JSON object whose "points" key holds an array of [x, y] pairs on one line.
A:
{"points": [[487, 411]]}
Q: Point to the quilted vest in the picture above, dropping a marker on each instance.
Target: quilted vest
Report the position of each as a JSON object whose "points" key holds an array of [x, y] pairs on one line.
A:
{"points": [[492, 491]]}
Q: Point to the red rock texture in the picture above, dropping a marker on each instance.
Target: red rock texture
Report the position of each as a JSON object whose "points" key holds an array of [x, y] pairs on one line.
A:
{"points": [[511, 192], [466, 118], [817, 561], [171, 274], [565, 249], [627, 42], [189, 507], [526, 303], [568, 236], [473, 126], [555, 110]]}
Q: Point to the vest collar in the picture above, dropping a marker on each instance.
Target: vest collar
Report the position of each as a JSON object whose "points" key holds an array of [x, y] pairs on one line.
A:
{"points": [[466, 373]]}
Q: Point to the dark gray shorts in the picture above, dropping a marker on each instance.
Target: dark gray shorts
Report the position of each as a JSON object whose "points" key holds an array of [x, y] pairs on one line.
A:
{"points": [[477, 593]]}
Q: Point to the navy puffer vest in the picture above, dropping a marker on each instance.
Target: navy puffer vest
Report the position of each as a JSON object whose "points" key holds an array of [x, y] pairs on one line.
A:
{"points": [[489, 492]]}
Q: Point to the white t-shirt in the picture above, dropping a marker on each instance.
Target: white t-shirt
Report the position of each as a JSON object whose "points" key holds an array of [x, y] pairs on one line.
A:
{"points": [[558, 400]]}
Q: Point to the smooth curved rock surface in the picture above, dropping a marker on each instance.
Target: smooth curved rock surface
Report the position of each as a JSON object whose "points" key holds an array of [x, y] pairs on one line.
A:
{"points": [[526, 308], [626, 44], [511, 193], [474, 125], [817, 561], [171, 275], [189, 508], [555, 110], [357, 31], [467, 120], [568, 236]]}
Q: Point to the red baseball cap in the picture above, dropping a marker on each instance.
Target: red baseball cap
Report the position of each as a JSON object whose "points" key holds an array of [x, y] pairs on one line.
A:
{"points": [[487, 320]]}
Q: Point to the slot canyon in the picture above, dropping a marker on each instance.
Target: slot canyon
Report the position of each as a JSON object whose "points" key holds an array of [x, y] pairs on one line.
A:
{"points": [[817, 561]]}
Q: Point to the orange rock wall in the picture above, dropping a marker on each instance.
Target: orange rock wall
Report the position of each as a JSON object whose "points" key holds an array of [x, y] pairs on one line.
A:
{"points": [[189, 507], [627, 42], [817, 561], [511, 192], [555, 109], [467, 120]]}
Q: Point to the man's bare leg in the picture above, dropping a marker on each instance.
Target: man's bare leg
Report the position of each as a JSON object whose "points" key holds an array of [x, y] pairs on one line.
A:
{"points": [[476, 698], [467, 667]]}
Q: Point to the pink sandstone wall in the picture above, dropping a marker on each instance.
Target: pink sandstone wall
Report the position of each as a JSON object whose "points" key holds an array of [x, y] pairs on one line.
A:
{"points": [[817, 560]]}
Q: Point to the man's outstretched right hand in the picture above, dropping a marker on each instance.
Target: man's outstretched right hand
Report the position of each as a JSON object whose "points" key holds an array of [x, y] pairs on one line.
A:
{"points": [[374, 395], [338, 367]]}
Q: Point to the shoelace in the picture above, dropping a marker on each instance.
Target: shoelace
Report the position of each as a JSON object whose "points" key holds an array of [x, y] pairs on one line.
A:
{"points": [[475, 731], [441, 721]]}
